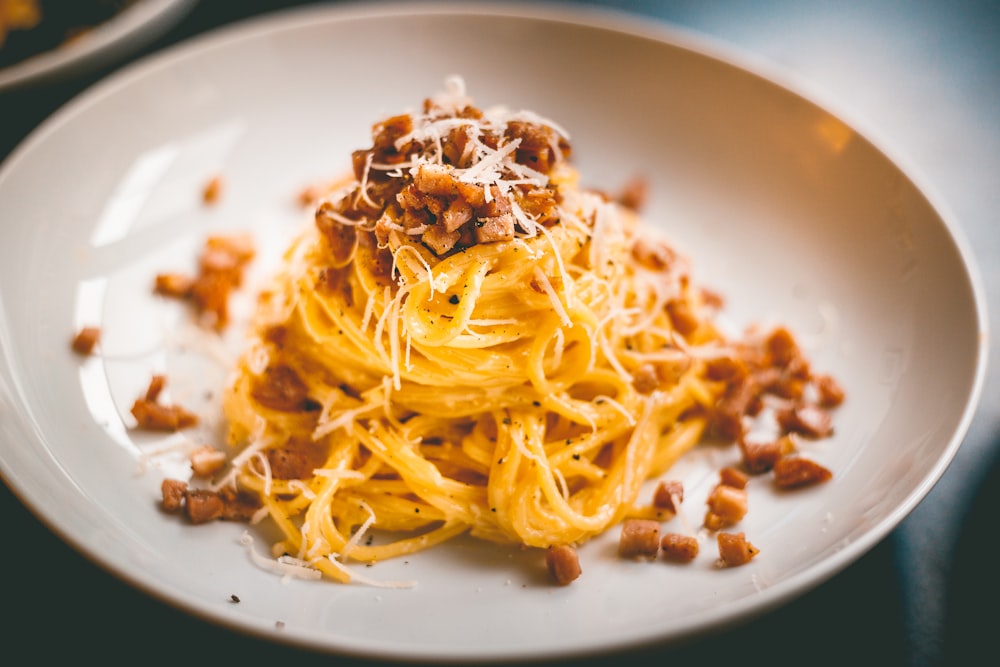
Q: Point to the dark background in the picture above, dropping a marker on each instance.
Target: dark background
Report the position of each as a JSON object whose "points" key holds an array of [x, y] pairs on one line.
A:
{"points": [[925, 77]]}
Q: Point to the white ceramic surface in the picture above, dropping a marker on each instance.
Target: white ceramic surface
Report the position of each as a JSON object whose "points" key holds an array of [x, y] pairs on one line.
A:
{"points": [[117, 37], [782, 204]]}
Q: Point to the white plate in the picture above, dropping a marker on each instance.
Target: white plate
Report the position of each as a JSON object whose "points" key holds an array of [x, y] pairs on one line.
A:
{"points": [[127, 31], [794, 215]]}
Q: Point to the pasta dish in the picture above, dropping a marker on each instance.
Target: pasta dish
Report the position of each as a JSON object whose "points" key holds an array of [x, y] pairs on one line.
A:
{"points": [[467, 341]]}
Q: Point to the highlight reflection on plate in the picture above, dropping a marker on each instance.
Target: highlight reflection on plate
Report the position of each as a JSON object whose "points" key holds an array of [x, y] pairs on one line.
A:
{"points": [[783, 206]]}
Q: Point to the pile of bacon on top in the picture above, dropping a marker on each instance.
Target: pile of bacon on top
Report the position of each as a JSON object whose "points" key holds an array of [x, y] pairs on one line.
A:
{"points": [[433, 206], [763, 372]]}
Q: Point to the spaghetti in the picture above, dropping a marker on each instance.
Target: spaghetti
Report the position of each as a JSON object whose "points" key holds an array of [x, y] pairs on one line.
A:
{"points": [[467, 341]]}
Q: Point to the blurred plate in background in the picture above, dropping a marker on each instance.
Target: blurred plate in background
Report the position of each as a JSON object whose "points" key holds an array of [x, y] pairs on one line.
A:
{"points": [[114, 38]]}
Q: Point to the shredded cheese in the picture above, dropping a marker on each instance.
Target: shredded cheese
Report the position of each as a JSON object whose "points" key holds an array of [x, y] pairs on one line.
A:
{"points": [[285, 566]]}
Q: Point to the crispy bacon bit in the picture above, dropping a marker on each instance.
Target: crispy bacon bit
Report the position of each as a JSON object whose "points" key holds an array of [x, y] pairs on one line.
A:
{"points": [[173, 285], [156, 384], [760, 457], [730, 476], [85, 340], [679, 548], [434, 180], [793, 472], [831, 394], [495, 228], [809, 420], [280, 388], [440, 240], [734, 550], [540, 148], [539, 204], [726, 505], [228, 252], [683, 318], [781, 347], [458, 150], [207, 460], [668, 495], [645, 379], [562, 563], [784, 384], [296, 459], [213, 190], [156, 417], [155, 388], [725, 369], [173, 491], [203, 506], [739, 400], [238, 505], [152, 416], [457, 214], [220, 272], [385, 134], [640, 538]]}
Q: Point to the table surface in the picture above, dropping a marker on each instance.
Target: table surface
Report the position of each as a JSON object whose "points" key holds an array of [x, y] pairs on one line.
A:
{"points": [[924, 76]]}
